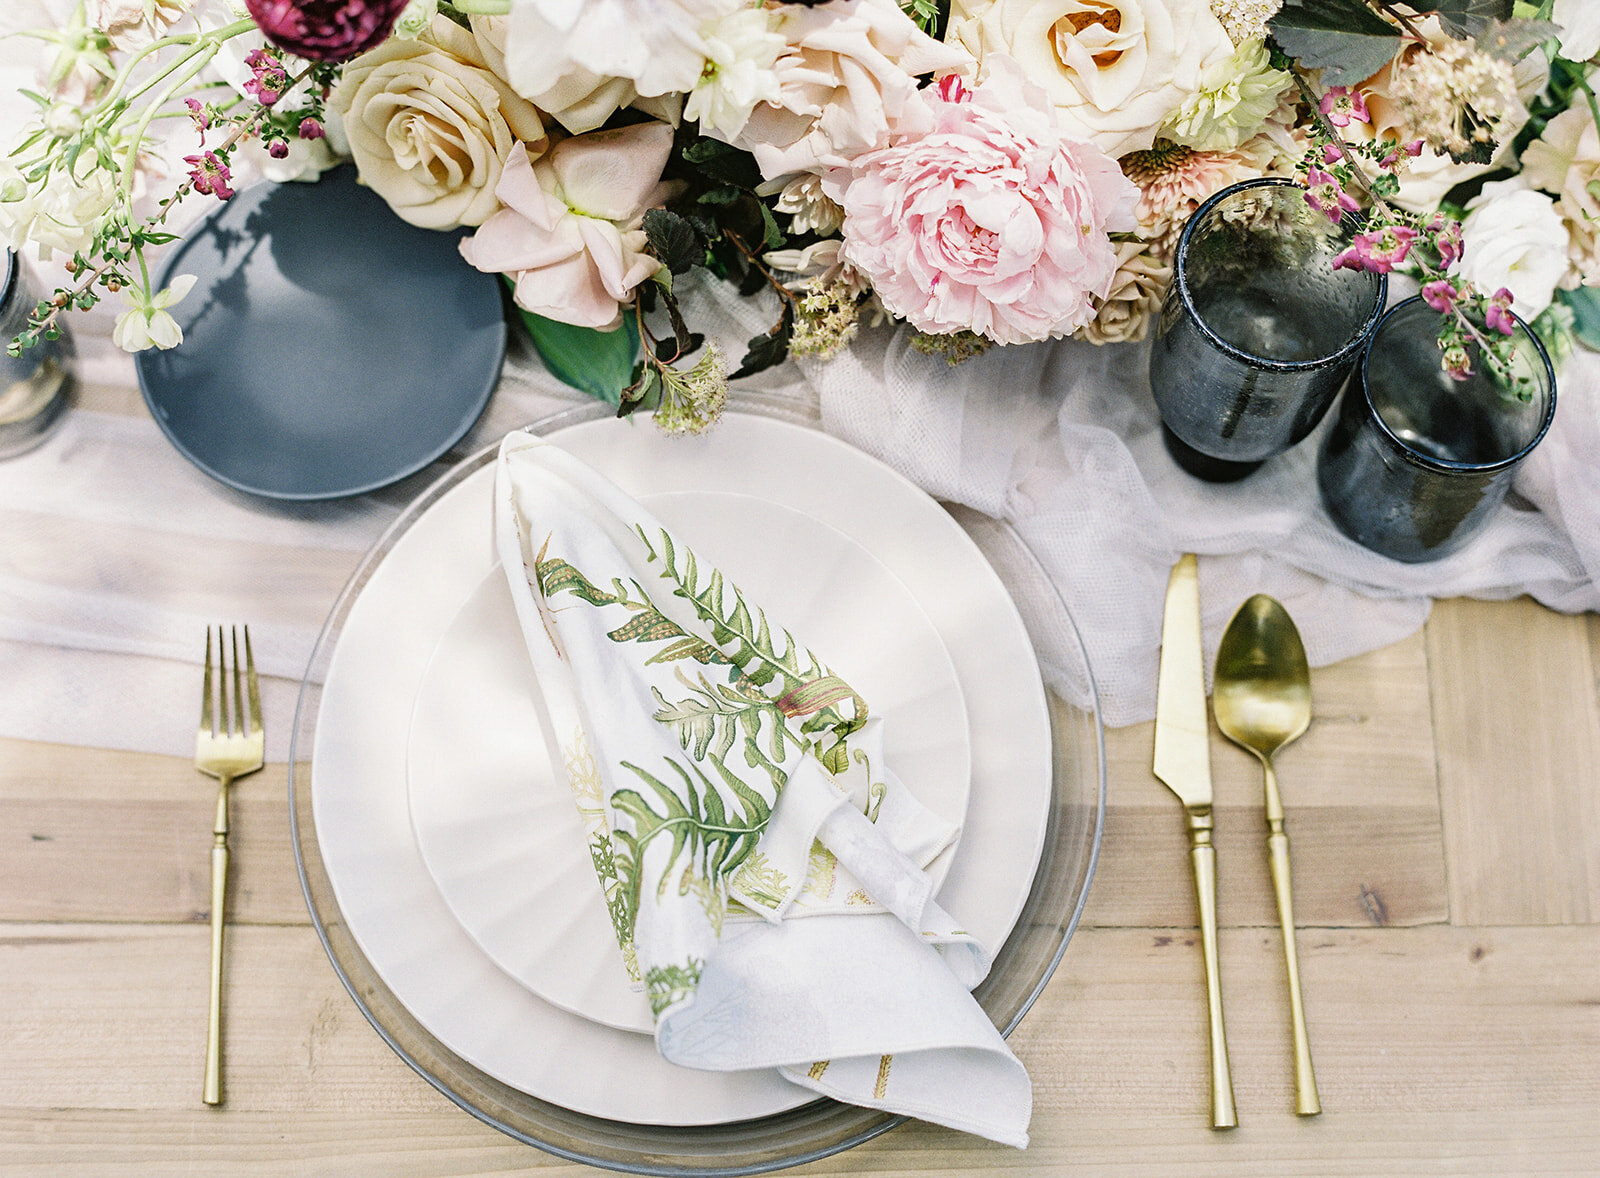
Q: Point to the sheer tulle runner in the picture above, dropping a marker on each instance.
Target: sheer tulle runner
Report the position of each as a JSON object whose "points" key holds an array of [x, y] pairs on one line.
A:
{"points": [[118, 552]]}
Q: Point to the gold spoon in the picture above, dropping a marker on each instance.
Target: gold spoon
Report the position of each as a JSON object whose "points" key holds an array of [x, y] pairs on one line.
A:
{"points": [[1262, 699]]}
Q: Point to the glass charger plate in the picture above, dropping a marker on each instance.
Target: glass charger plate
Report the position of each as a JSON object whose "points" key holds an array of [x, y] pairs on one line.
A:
{"points": [[818, 1128]]}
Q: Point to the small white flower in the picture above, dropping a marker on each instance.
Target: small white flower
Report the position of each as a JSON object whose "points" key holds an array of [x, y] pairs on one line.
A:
{"points": [[64, 214], [147, 322], [63, 119], [741, 49], [415, 19]]}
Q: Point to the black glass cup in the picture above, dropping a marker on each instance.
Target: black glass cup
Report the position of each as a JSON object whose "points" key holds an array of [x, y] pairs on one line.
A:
{"points": [[1258, 330], [34, 387], [1416, 462]]}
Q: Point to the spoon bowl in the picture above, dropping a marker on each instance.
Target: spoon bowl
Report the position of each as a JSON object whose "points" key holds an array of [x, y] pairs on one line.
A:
{"points": [[1262, 700], [1262, 692]]}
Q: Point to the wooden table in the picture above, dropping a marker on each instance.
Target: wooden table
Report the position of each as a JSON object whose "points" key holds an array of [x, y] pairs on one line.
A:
{"points": [[1445, 814]]}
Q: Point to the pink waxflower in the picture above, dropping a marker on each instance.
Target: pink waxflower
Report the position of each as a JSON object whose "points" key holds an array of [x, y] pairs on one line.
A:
{"points": [[1446, 235], [268, 79], [1387, 248], [278, 149], [208, 174], [311, 129], [1497, 317], [990, 220], [1344, 106], [1457, 361], [1324, 194], [1441, 295], [326, 30], [1331, 153], [199, 116]]}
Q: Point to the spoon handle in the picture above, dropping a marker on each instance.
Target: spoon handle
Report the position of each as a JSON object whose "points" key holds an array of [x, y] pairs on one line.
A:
{"points": [[1203, 855], [1306, 1102]]}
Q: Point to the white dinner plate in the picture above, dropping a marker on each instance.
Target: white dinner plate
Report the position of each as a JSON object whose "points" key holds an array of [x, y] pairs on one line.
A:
{"points": [[389, 901], [494, 816]]}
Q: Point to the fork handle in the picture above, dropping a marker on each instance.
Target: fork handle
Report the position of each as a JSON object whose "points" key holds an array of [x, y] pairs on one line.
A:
{"points": [[219, 903]]}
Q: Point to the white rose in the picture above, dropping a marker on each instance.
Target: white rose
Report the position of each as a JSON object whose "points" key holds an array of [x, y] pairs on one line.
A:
{"points": [[1115, 70], [1579, 21], [1513, 237], [430, 126]]}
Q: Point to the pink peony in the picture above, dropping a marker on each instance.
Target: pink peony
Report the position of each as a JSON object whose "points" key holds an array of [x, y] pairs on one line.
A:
{"points": [[990, 222], [570, 230], [326, 30]]}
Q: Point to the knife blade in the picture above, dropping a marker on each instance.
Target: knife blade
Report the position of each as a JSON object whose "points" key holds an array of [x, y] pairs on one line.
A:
{"points": [[1183, 763], [1183, 738]]}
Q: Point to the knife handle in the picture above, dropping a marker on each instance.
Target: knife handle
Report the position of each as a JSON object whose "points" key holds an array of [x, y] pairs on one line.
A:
{"points": [[1204, 857]]}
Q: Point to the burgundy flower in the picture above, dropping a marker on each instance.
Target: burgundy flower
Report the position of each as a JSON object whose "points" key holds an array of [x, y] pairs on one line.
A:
{"points": [[326, 30]]}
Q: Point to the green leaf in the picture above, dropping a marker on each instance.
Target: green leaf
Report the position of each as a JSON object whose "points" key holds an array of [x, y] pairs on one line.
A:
{"points": [[599, 363], [673, 240], [1468, 18], [1342, 38], [1585, 304]]}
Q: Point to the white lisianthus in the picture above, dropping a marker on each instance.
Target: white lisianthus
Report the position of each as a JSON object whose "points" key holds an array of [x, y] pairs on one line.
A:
{"points": [[1513, 237], [1579, 22], [1236, 96], [1565, 160], [741, 48], [1115, 70], [133, 24], [64, 214], [147, 322], [658, 47]]}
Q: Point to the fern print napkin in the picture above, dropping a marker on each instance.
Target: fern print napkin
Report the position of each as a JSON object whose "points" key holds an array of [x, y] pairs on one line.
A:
{"points": [[762, 866]]}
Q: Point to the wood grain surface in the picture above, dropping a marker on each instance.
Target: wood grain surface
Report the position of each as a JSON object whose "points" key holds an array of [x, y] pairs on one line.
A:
{"points": [[1445, 816]]}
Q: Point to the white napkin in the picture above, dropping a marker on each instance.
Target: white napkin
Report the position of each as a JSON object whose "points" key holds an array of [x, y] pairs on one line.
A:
{"points": [[761, 865]]}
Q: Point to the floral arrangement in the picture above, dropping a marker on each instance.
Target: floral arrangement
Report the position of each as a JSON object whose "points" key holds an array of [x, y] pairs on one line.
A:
{"points": [[992, 172]]}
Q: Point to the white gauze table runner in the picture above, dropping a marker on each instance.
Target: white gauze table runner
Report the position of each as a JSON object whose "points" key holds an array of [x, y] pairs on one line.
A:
{"points": [[740, 815]]}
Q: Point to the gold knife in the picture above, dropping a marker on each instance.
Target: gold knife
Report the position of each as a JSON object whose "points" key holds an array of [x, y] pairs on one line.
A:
{"points": [[1183, 763]]}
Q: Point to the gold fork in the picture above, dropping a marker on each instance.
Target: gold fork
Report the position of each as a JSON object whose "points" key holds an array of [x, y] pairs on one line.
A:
{"points": [[229, 746]]}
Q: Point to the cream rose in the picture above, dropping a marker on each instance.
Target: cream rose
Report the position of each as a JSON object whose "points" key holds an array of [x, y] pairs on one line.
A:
{"points": [[1115, 70], [430, 126], [1565, 160]]}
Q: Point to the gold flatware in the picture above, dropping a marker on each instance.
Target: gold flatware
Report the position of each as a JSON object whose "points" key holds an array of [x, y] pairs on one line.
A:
{"points": [[1262, 696], [229, 746], [1183, 763]]}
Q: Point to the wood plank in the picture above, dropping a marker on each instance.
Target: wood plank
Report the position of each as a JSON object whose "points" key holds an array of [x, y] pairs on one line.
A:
{"points": [[1363, 813], [1519, 762], [111, 1016], [1467, 1051], [99, 835], [447, 1144]]}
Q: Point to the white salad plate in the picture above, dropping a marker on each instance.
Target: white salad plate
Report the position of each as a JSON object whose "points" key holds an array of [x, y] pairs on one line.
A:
{"points": [[392, 621], [494, 816]]}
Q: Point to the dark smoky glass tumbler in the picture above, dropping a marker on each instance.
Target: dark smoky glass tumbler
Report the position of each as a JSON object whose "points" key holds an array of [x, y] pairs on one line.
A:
{"points": [[1259, 330], [1416, 462]]}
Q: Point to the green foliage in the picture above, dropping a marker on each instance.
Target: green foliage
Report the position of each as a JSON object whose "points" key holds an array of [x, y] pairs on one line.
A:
{"points": [[667, 985], [1584, 303], [599, 363], [1345, 39]]}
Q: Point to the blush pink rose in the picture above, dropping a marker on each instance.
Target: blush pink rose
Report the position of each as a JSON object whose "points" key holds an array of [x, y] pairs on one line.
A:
{"points": [[991, 222], [571, 232]]}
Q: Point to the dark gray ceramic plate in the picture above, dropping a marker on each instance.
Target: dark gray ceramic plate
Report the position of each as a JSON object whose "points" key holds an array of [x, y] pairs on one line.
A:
{"points": [[329, 347]]}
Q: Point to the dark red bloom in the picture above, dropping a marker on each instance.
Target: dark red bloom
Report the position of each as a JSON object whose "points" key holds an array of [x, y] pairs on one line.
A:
{"points": [[326, 30]]}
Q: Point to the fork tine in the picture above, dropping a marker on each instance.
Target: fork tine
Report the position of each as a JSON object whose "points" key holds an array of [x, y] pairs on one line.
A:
{"points": [[238, 686], [222, 682], [206, 725], [253, 684]]}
